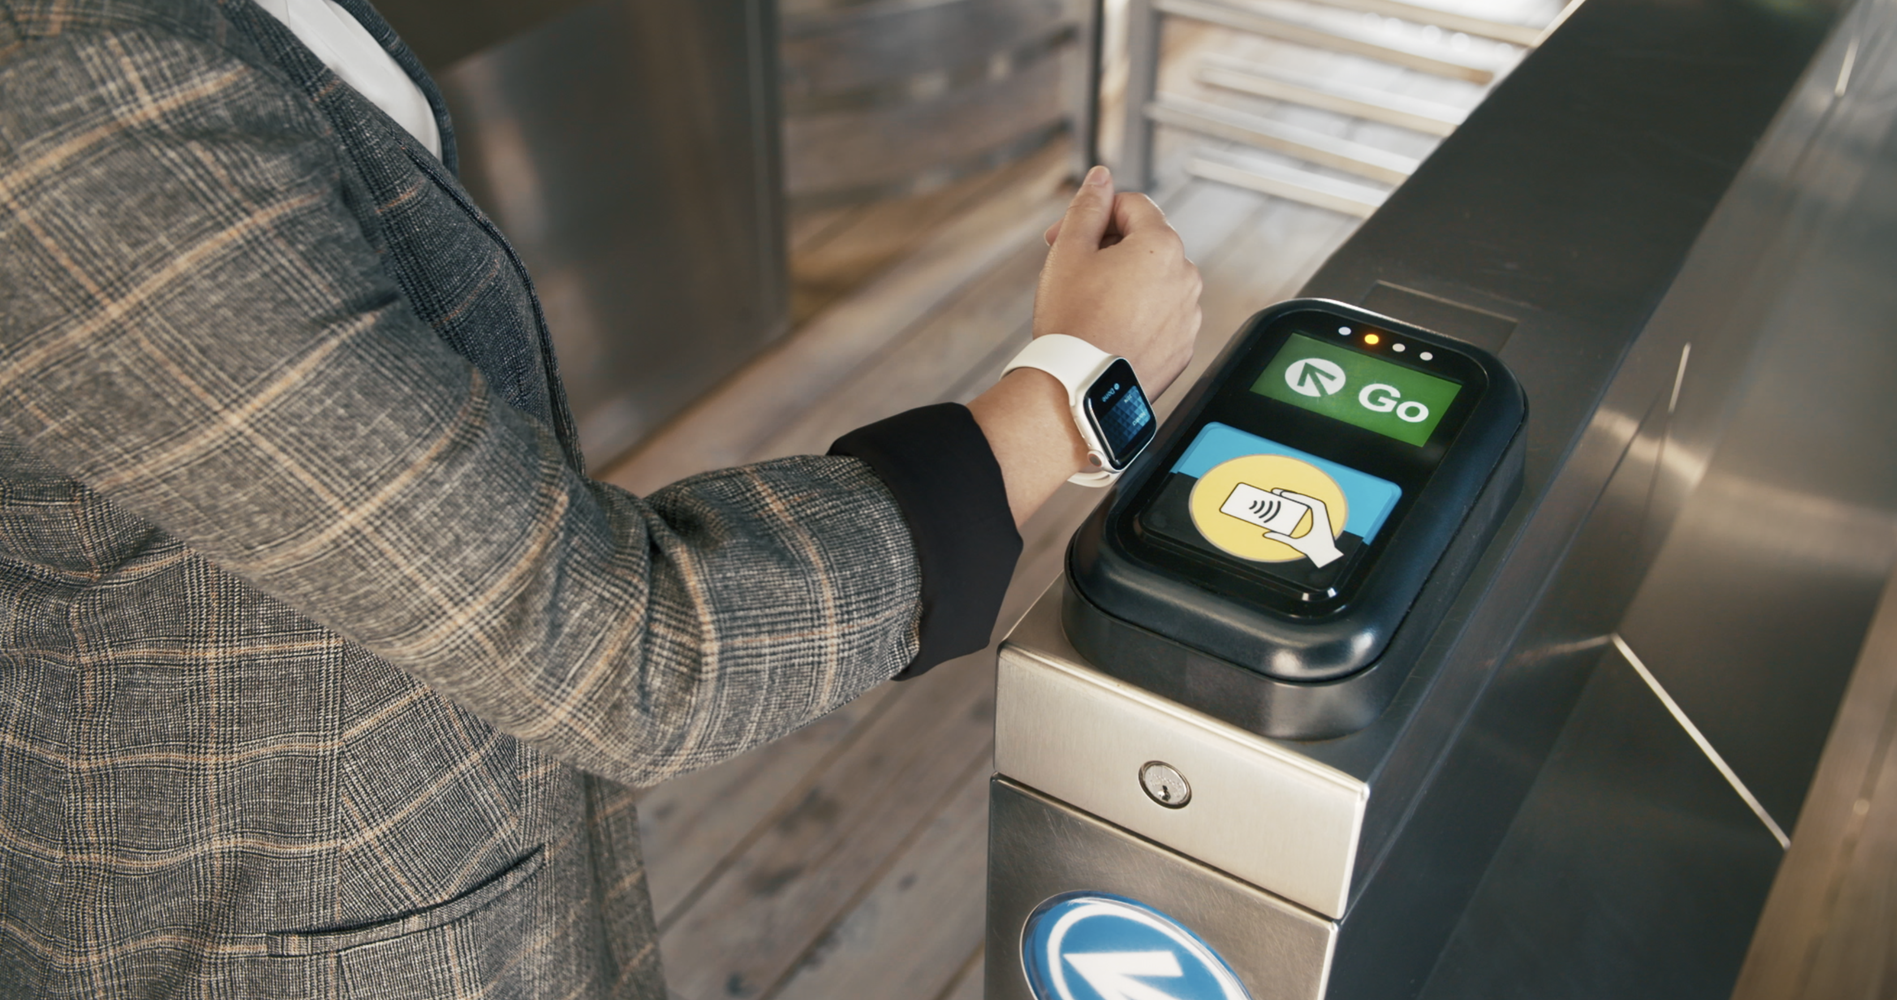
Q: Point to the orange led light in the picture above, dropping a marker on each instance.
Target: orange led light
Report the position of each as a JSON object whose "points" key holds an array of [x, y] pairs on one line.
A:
{"points": [[1372, 339]]}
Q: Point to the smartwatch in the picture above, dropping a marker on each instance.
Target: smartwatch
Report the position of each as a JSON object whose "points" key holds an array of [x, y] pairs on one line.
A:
{"points": [[1115, 420]]}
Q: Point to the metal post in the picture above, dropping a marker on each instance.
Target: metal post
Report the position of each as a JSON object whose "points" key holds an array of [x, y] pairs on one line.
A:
{"points": [[1142, 81], [1084, 84]]}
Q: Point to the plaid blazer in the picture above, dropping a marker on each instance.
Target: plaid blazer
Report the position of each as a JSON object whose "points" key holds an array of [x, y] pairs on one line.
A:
{"points": [[323, 668]]}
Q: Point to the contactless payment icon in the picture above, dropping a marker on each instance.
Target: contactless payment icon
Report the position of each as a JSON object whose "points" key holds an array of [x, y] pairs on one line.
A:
{"points": [[1275, 511], [1098, 946], [1252, 498], [1270, 508]]}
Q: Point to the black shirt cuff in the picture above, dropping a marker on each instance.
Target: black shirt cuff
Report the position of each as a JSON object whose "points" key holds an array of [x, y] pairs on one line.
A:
{"points": [[938, 464]]}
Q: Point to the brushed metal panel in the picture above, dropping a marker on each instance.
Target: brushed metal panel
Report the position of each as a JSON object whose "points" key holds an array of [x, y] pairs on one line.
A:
{"points": [[1634, 869], [1484, 329], [1578, 250], [1259, 811], [1632, 872], [629, 150], [1038, 847]]}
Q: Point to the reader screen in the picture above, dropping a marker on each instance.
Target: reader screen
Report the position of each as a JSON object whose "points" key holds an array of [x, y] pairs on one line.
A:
{"points": [[1372, 393], [1290, 513], [1310, 450]]}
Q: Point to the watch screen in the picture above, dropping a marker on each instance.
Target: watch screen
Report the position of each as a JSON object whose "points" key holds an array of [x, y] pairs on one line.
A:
{"points": [[1354, 387], [1120, 414]]}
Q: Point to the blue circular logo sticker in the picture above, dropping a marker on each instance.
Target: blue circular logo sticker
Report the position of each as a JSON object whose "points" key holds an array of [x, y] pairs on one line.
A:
{"points": [[1096, 946]]}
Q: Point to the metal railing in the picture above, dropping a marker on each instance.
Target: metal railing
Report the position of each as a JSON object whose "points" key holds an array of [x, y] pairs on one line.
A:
{"points": [[1146, 109]]}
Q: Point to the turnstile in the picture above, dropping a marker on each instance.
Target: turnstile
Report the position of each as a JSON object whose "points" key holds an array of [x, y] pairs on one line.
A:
{"points": [[1672, 224]]}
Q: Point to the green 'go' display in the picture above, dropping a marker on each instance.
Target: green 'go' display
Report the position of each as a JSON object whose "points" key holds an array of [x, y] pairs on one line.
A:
{"points": [[1356, 388]]}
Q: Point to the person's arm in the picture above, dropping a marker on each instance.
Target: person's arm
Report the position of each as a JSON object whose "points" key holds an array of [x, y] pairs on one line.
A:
{"points": [[1117, 276]]}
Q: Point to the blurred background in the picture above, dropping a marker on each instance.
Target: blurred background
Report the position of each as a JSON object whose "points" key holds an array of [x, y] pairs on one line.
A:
{"points": [[690, 180], [654, 160]]}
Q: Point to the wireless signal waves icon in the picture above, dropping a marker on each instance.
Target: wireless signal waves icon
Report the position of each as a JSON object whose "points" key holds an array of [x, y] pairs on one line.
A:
{"points": [[1268, 510]]}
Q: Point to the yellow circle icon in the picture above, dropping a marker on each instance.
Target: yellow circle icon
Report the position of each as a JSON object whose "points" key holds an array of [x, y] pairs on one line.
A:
{"points": [[1231, 483]]}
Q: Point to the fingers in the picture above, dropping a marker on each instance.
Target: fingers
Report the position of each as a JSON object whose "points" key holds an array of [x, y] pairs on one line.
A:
{"points": [[1088, 215], [1053, 233], [1137, 298], [1135, 215], [1128, 212], [1299, 497]]}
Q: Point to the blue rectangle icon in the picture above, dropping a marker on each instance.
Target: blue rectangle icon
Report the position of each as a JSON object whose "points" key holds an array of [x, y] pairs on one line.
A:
{"points": [[1371, 499]]}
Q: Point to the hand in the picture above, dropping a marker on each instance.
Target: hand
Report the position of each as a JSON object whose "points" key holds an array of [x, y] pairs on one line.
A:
{"points": [[1117, 277], [1320, 543]]}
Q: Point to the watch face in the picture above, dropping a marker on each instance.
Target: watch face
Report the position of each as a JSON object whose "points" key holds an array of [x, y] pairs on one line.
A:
{"points": [[1120, 415]]}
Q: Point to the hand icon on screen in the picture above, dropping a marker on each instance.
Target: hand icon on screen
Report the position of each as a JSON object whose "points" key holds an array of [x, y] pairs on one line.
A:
{"points": [[1319, 544]]}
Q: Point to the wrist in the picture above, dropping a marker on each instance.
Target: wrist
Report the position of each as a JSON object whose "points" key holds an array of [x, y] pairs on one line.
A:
{"points": [[1032, 408], [1030, 427], [1109, 408]]}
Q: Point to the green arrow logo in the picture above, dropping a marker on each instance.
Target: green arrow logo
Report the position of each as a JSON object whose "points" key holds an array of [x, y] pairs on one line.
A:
{"points": [[1314, 377]]}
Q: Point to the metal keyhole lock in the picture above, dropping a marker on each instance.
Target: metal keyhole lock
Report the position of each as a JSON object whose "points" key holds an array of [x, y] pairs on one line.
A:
{"points": [[1165, 785]]}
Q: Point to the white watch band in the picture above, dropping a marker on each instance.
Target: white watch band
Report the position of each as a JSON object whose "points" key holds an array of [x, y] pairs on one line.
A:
{"points": [[1077, 364]]}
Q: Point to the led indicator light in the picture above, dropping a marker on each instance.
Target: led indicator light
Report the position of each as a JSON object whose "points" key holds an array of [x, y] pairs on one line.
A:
{"points": [[1398, 348], [1372, 339], [1343, 331], [1426, 356]]}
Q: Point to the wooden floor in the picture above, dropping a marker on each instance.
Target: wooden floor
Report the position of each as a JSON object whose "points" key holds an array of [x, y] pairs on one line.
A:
{"points": [[847, 861], [1829, 929]]}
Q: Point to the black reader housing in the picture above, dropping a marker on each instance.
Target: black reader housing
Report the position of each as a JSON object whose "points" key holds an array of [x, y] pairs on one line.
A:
{"points": [[1207, 577]]}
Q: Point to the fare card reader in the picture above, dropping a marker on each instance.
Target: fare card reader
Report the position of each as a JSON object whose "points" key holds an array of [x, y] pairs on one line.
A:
{"points": [[1270, 569], [1295, 532]]}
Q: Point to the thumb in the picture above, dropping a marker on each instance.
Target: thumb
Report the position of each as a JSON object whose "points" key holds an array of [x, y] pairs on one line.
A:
{"points": [[1085, 224]]}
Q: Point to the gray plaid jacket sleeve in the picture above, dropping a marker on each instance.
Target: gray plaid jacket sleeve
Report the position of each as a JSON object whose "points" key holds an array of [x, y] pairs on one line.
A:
{"points": [[193, 324]]}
